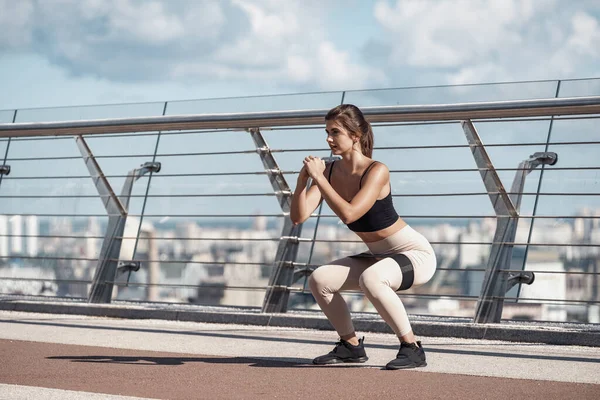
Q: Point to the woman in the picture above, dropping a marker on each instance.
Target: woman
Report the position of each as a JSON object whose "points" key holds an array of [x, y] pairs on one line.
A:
{"points": [[358, 190]]}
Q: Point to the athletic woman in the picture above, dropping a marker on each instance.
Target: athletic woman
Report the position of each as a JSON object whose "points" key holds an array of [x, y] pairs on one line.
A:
{"points": [[358, 190]]}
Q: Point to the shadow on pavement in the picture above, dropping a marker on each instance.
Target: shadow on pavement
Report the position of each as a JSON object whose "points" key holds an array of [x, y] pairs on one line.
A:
{"points": [[244, 336], [252, 362]]}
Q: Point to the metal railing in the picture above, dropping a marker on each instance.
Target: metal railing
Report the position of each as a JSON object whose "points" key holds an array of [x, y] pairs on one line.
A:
{"points": [[289, 263]]}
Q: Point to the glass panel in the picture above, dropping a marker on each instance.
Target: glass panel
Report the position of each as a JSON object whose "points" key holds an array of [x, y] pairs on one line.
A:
{"points": [[164, 186], [241, 205], [6, 116], [122, 146], [36, 148], [452, 94], [303, 139], [583, 87], [511, 156], [580, 187], [552, 282], [195, 252], [63, 265], [266, 203], [49, 189], [584, 230], [71, 166], [580, 155], [256, 104], [103, 147], [205, 142], [211, 163], [90, 112], [574, 130], [304, 248], [205, 268], [439, 206], [566, 205], [3, 147]]}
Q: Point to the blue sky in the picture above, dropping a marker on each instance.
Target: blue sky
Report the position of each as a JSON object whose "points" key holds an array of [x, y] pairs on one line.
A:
{"points": [[73, 52], [76, 52]]}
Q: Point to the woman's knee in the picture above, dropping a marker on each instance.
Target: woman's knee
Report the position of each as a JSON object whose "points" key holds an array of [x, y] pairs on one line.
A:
{"points": [[370, 281], [380, 276], [318, 280]]}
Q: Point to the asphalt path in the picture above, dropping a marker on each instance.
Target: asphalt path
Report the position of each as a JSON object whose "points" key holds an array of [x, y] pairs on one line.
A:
{"points": [[75, 357]]}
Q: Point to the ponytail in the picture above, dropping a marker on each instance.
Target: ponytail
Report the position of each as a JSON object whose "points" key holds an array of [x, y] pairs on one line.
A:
{"points": [[367, 141]]}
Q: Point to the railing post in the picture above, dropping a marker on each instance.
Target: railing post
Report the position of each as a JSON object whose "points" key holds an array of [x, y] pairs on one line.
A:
{"points": [[497, 282], [282, 276], [5, 169], [117, 209]]}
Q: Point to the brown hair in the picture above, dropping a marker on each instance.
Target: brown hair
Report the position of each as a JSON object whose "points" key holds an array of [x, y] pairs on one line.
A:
{"points": [[353, 120]]}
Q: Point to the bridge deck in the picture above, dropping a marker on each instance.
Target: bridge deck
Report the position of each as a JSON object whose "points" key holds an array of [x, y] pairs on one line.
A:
{"points": [[182, 360]]}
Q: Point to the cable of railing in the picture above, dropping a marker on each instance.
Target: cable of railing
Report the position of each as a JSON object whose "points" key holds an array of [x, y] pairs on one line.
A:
{"points": [[269, 263], [217, 216], [197, 195], [293, 288], [302, 240], [296, 172], [157, 176], [435, 112], [458, 270], [48, 257], [79, 281]]}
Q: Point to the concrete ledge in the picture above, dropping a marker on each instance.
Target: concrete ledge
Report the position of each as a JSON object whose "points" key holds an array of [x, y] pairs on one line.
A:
{"points": [[550, 333]]}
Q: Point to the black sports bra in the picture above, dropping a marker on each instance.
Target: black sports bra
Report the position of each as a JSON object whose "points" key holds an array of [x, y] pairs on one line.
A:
{"points": [[380, 216]]}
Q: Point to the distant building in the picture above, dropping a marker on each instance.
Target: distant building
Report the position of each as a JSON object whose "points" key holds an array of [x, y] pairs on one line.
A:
{"points": [[32, 230], [3, 237], [547, 286], [91, 242], [16, 233]]}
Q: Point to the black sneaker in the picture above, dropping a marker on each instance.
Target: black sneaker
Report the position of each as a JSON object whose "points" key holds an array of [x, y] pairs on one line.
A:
{"points": [[344, 352], [410, 355]]}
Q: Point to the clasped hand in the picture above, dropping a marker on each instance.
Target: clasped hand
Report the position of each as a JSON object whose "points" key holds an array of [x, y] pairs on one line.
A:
{"points": [[313, 167]]}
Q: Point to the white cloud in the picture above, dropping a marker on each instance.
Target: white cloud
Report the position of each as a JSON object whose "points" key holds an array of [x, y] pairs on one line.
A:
{"points": [[451, 33], [470, 41], [134, 40], [335, 71], [585, 35], [16, 21], [146, 22]]}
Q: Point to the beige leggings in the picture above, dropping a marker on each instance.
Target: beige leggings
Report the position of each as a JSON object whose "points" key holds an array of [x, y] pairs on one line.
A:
{"points": [[378, 276]]}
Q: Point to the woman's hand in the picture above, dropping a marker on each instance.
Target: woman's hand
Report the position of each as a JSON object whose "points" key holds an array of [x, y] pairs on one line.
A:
{"points": [[314, 166]]}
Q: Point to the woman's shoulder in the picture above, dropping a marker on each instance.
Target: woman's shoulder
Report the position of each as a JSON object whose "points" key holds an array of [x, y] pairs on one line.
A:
{"points": [[378, 166], [377, 171]]}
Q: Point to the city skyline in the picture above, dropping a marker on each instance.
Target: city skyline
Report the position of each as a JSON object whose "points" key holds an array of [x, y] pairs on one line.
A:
{"points": [[185, 254]]}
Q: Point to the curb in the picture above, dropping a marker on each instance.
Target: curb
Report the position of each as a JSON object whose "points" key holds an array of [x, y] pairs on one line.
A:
{"points": [[513, 332]]}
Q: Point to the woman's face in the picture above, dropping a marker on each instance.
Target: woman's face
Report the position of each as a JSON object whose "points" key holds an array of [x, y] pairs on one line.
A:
{"points": [[338, 139]]}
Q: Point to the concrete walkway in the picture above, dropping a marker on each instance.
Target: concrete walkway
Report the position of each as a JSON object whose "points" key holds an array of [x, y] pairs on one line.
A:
{"points": [[78, 355]]}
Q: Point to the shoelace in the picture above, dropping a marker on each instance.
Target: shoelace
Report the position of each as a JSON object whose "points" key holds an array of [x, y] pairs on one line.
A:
{"points": [[337, 345]]}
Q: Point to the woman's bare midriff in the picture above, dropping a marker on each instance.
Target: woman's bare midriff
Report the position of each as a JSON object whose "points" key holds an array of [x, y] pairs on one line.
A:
{"points": [[369, 237]]}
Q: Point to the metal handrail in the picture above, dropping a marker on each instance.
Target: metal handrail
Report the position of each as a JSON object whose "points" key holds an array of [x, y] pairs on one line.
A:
{"points": [[519, 110], [435, 112]]}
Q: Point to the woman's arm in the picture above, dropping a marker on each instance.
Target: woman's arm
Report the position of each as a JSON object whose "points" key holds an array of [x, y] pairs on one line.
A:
{"points": [[349, 212], [304, 201]]}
